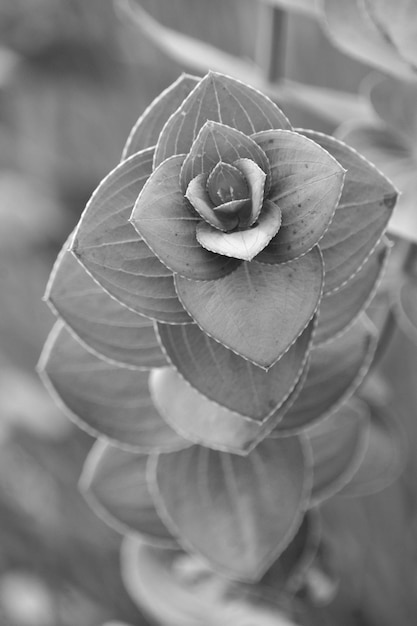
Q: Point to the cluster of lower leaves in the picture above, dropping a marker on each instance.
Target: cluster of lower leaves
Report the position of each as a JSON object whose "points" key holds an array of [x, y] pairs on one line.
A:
{"points": [[212, 328]]}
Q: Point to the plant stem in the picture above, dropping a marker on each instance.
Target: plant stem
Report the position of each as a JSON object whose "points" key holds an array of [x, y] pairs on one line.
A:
{"points": [[271, 42]]}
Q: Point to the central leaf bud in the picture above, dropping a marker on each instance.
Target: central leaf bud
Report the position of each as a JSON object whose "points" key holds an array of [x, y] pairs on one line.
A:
{"points": [[226, 183]]}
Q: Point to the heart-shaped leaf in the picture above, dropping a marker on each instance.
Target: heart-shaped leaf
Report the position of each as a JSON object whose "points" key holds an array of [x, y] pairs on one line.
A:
{"points": [[114, 484], [338, 445], [306, 183], [336, 369], [340, 309], [351, 29], [202, 421], [102, 398], [220, 143], [146, 131], [238, 512], [384, 457], [259, 310], [167, 222], [242, 244], [112, 251], [367, 201], [228, 379], [221, 99], [100, 322]]}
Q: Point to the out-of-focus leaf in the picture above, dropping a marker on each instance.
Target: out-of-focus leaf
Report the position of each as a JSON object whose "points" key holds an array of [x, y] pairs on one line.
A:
{"points": [[340, 309], [367, 201], [203, 422], [259, 310], [406, 308], [217, 142], [111, 250], [100, 321], [167, 222], [336, 370], [146, 131], [384, 457], [242, 244], [397, 23], [350, 28], [226, 378], [221, 99], [102, 398], [114, 483], [338, 444], [179, 589], [389, 151], [238, 512], [395, 102], [306, 183]]}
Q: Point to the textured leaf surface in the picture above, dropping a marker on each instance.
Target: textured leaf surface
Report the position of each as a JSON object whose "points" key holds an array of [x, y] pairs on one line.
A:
{"points": [[114, 484], [112, 251], [352, 30], [102, 398], [395, 157], [341, 308], [366, 205], [259, 310], [306, 183], [384, 457], [146, 131], [202, 421], [239, 513], [101, 322], [338, 445], [221, 99], [242, 244], [167, 222], [227, 378], [217, 142], [336, 370]]}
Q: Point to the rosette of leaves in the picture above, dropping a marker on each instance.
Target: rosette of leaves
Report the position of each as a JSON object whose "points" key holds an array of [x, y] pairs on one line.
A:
{"points": [[211, 317]]}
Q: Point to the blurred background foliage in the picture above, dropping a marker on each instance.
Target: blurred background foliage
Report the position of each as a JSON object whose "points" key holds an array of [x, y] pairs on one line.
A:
{"points": [[74, 77]]}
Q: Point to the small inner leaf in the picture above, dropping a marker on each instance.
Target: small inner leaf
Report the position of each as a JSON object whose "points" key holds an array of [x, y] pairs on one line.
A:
{"points": [[226, 183], [256, 179], [242, 244]]}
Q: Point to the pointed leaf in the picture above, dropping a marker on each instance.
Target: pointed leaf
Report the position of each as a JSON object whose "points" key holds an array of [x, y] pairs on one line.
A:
{"points": [[259, 310], [338, 445], [226, 218], [221, 99], [228, 379], [239, 513], [340, 309], [384, 457], [100, 322], [114, 484], [146, 131], [167, 222], [201, 421], [217, 143], [242, 244], [112, 251], [394, 156], [351, 29], [367, 201], [102, 398], [306, 183], [336, 370]]}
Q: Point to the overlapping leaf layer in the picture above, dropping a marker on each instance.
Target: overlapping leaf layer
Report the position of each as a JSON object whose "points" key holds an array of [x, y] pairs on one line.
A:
{"points": [[212, 327]]}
